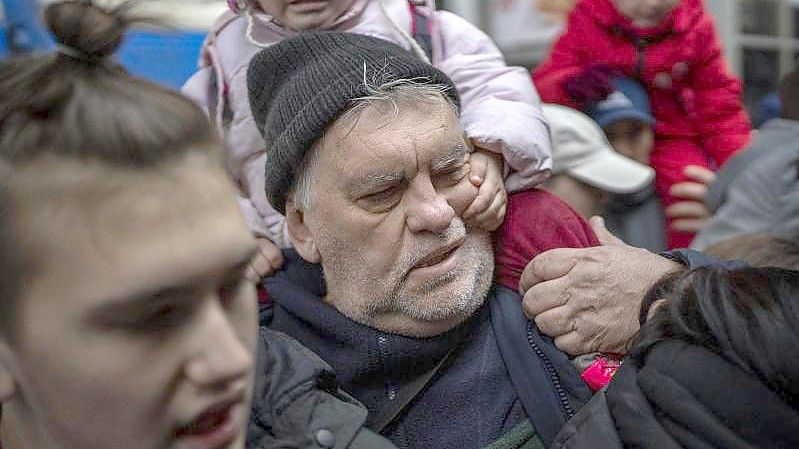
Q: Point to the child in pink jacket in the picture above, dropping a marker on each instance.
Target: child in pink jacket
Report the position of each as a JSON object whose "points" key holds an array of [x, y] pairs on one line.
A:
{"points": [[501, 111]]}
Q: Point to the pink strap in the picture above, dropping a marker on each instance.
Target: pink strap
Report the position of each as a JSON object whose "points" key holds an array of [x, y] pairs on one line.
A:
{"points": [[599, 373]]}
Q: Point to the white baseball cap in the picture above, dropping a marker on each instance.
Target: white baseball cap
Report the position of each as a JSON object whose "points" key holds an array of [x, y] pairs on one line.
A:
{"points": [[580, 149]]}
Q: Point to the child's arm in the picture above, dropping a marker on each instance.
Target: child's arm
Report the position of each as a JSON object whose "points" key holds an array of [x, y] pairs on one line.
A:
{"points": [[564, 61], [536, 221], [487, 210], [722, 122], [244, 161], [501, 111]]}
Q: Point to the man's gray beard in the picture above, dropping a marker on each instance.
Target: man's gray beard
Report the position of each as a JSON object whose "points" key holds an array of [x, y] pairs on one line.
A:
{"points": [[467, 295]]}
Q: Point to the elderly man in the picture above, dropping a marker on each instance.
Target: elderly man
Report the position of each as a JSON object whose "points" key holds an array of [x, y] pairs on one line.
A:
{"points": [[387, 284]]}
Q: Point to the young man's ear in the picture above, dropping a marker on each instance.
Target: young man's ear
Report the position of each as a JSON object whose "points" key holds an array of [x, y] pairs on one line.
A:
{"points": [[302, 237], [8, 384]]}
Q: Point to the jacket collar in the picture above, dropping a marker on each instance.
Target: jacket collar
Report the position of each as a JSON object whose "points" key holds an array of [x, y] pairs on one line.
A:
{"points": [[364, 359]]}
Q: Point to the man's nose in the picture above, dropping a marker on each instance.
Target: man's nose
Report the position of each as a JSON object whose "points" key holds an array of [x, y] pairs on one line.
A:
{"points": [[220, 356], [427, 209]]}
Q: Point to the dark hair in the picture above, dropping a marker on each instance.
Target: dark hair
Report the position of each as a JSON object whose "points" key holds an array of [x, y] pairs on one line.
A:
{"points": [[788, 90], [79, 105], [758, 250], [749, 316]]}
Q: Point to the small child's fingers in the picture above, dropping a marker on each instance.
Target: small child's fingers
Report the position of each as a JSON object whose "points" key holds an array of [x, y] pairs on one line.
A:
{"points": [[689, 191], [688, 224], [476, 180], [478, 170], [493, 216], [260, 267], [275, 257], [480, 204], [700, 174], [268, 259], [687, 209]]}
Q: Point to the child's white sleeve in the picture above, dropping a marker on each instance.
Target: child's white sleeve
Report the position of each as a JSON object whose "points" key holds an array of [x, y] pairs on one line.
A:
{"points": [[245, 161], [196, 88], [501, 110]]}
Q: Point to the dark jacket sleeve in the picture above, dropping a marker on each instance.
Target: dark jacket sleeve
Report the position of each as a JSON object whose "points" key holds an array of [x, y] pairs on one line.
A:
{"points": [[297, 403], [695, 259], [592, 427]]}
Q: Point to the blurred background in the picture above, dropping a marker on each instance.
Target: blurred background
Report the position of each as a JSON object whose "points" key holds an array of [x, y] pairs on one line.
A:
{"points": [[761, 37]]}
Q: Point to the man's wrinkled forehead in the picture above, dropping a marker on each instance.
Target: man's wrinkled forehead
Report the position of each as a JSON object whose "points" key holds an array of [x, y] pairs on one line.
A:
{"points": [[381, 126]]}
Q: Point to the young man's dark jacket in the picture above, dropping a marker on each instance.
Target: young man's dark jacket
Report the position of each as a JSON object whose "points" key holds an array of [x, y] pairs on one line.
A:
{"points": [[459, 406], [297, 405]]}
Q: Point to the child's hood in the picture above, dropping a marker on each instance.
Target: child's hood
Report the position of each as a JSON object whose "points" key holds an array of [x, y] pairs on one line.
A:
{"points": [[681, 19]]}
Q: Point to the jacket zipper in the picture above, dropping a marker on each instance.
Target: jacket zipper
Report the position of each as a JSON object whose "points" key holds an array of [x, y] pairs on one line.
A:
{"points": [[391, 390], [640, 49], [553, 374]]}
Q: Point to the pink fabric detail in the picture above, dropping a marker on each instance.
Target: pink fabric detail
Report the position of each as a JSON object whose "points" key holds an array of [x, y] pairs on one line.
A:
{"points": [[600, 373], [413, 17], [235, 5]]}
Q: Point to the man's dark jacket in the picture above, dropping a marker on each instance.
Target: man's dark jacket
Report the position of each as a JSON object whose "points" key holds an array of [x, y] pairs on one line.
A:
{"points": [[542, 377]]}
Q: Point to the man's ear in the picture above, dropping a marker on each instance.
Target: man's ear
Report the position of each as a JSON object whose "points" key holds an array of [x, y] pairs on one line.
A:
{"points": [[301, 236], [8, 384]]}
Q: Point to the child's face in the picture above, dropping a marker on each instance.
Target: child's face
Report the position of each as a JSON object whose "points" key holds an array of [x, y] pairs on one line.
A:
{"points": [[645, 13], [631, 138], [303, 15]]}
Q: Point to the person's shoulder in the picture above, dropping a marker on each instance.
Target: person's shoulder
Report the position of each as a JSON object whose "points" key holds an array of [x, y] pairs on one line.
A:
{"points": [[693, 18], [536, 215], [297, 397], [231, 45]]}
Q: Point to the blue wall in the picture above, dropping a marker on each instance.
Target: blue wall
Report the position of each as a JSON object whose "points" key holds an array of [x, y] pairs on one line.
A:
{"points": [[3, 41], [169, 58]]}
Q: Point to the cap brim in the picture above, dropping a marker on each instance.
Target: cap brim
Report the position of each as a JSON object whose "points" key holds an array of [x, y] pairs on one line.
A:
{"points": [[612, 172], [623, 114]]}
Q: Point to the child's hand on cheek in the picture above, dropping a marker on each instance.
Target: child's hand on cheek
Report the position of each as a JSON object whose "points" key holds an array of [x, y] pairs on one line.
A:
{"points": [[487, 211], [268, 260]]}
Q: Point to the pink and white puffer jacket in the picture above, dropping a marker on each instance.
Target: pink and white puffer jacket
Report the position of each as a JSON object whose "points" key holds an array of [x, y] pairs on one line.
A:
{"points": [[501, 109]]}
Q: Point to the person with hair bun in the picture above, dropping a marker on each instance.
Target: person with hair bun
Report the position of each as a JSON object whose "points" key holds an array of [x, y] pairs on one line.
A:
{"points": [[127, 320], [715, 366]]}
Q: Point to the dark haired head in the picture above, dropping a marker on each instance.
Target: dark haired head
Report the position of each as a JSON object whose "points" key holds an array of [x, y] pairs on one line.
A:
{"points": [[79, 106], [749, 316]]}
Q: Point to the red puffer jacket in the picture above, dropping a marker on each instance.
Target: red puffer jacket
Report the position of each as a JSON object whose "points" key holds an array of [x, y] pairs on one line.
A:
{"points": [[680, 62]]}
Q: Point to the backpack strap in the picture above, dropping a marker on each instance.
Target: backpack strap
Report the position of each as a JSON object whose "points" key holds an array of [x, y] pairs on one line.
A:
{"points": [[420, 29], [383, 418]]}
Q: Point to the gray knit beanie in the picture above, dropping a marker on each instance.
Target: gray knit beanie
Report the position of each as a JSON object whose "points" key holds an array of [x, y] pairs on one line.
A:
{"points": [[299, 86]]}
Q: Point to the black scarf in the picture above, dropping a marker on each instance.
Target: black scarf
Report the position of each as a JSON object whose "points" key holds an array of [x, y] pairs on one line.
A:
{"points": [[687, 397]]}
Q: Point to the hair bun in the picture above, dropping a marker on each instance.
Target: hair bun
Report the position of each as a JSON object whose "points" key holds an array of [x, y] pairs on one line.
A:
{"points": [[90, 30]]}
